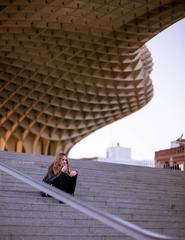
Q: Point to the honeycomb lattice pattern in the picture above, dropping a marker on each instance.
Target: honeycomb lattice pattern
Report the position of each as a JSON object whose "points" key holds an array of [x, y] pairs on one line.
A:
{"points": [[69, 67]]}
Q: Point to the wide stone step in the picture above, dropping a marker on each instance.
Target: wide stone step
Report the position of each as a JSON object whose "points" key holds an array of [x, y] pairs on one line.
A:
{"points": [[149, 197]]}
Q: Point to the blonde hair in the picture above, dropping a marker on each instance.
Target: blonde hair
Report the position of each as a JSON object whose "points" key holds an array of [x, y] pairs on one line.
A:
{"points": [[56, 165]]}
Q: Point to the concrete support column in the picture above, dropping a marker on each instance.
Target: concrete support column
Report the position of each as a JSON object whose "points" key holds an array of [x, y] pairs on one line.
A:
{"points": [[2, 144], [34, 145], [45, 146], [19, 146], [59, 147], [67, 146]]}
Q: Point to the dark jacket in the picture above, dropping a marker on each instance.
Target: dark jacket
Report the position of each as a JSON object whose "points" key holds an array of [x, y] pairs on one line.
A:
{"points": [[62, 180], [50, 176]]}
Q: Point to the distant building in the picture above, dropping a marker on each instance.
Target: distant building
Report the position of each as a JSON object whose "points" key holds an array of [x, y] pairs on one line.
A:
{"points": [[174, 157], [118, 154]]}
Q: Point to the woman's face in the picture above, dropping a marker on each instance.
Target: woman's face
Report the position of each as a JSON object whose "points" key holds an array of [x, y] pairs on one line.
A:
{"points": [[63, 160]]}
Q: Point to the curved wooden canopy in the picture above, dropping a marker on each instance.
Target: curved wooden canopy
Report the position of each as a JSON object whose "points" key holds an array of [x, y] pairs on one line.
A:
{"points": [[68, 68]]}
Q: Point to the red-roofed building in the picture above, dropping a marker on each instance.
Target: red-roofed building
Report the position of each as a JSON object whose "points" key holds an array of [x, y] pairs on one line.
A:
{"points": [[173, 157]]}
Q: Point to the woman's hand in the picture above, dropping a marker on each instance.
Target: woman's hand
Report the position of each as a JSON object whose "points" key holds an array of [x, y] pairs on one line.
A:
{"points": [[73, 173], [65, 168]]}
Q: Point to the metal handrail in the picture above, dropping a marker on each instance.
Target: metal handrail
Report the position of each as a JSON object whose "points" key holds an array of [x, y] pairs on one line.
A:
{"points": [[112, 221]]}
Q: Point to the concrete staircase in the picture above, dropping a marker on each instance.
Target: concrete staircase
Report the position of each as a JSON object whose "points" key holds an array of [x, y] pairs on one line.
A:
{"points": [[151, 198]]}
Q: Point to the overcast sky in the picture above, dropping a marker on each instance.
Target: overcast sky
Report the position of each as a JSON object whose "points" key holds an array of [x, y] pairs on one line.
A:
{"points": [[162, 120]]}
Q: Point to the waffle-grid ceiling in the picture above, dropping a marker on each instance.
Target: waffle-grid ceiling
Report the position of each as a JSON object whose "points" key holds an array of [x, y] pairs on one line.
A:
{"points": [[68, 68]]}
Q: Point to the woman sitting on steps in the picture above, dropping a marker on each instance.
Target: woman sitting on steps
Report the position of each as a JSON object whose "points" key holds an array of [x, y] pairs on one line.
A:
{"points": [[60, 175]]}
